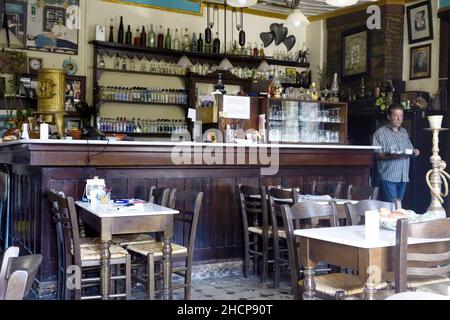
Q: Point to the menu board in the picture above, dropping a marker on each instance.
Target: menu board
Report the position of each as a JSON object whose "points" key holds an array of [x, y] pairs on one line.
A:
{"points": [[236, 107]]}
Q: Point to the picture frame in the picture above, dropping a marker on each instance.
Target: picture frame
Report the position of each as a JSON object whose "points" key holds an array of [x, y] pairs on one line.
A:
{"points": [[194, 7], [355, 53], [420, 22], [73, 124], [291, 72], [51, 17], [17, 18], [420, 62], [34, 64]]}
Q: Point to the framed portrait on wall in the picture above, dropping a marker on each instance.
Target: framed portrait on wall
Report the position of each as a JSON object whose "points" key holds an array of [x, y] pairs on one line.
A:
{"points": [[420, 22], [17, 18], [194, 7], [355, 53], [420, 62], [53, 16]]}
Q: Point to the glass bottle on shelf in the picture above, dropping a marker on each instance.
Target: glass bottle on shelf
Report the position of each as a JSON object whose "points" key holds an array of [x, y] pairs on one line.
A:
{"points": [[143, 37], [120, 35], [186, 41], [216, 44], [261, 50], [151, 38], [137, 38], [116, 62], [101, 63], [200, 43], [161, 38], [124, 63], [168, 40], [176, 41], [128, 36], [314, 93], [132, 64], [255, 49], [111, 30], [194, 42], [335, 88], [249, 49]]}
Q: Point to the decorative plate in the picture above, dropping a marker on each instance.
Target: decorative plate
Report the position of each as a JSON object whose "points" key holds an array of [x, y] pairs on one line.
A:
{"points": [[71, 66]]}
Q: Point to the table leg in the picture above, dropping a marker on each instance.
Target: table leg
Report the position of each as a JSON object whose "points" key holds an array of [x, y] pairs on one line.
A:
{"points": [[167, 262], [105, 273], [309, 283]]}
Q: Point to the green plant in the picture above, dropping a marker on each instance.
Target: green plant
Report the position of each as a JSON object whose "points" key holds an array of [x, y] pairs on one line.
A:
{"points": [[381, 102], [325, 76]]}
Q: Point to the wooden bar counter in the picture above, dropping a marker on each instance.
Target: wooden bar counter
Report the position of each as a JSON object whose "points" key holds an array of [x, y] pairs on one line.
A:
{"points": [[131, 168]]}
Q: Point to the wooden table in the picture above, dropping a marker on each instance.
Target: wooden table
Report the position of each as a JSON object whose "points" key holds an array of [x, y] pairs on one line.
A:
{"points": [[347, 247], [111, 220]]}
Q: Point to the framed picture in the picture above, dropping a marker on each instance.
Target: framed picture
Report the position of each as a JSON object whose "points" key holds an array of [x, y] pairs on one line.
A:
{"points": [[73, 124], [420, 22], [355, 53], [53, 16], [17, 18], [420, 62], [34, 65], [291, 72], [194, 7]]}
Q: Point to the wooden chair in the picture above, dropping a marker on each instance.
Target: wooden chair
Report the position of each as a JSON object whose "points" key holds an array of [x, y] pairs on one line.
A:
{"points": [[4, 210], [362, 193], [422, 269], [10, 253], [87, 256], [20, 275], [356, 212], [189, 204], [255, 223], [277, 198], [336, 285], [331, 189]]}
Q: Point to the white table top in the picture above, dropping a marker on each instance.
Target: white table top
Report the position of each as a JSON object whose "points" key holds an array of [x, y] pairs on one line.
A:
{"points": [[315, 199], [113, 210], [410, 295], [355, 236]]}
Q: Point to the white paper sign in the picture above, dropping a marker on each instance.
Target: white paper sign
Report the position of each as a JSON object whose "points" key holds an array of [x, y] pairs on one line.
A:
{"points": [[236, 107], [192, 113]]}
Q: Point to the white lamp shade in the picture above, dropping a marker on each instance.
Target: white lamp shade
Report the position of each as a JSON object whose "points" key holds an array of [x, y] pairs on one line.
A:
{"points": [[14, 43], [297, 19], [263, 66], [184, 62], [242, 3], [225, 65], [341, 3]]}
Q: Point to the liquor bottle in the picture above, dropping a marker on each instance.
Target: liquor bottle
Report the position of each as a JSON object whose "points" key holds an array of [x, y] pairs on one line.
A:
{"points": [[120, 35], [261, 51], [143, 37], [255, 50], [194, 42], [124, 63], [186, 42], [161, 38], [216, 44], [117, 62], [137, 37], [168, 40], [129, 36], [111, 31], [200, 43], [314, 93], [151, 38], [176, 41]]}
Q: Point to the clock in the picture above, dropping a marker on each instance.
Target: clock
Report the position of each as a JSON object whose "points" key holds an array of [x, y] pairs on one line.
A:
{"points": [[34, 65]]}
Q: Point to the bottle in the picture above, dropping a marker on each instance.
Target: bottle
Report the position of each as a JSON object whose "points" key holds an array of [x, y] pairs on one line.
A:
{"points": [[168, 40], [151, 38], [120, 36], [255, 50], [128, 36], [117, 62], [200, 43], [137, 38], [194, 42], [261, 51], [216, 44], [176, 41], [111, 31], [314, 93], [143, 37], [186, 42], [124, 63], [161, 38]]}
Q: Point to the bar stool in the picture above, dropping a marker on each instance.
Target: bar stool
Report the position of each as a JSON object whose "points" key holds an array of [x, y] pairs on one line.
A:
{"points": [[87, 257], [189, 204]]}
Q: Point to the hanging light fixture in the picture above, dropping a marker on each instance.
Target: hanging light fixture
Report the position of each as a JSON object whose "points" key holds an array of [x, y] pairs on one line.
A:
{"points": [[7, 38], [341, 3], [241, 3], [296, 18]]}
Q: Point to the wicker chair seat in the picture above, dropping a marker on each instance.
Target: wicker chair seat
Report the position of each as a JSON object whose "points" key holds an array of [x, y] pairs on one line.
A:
{"points": [[93, 252], [414, 282], [259, 231], [128, 239], [155, 248]]}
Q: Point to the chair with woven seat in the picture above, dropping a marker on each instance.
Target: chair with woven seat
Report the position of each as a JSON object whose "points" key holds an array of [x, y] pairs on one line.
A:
{"points": [[256, 228], [333, 189], [277, 198], [330, 285], [87, 256], [356, 212], [189, 204], [362, 193], [422, 269]]}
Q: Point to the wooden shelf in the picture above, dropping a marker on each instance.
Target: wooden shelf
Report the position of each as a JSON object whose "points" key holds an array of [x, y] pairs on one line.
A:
{"points": [[143, 135], [144, 103], [252, 60], [141, 72]]}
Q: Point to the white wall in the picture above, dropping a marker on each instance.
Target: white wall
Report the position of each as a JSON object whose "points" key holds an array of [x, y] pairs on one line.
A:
{"points": [[430, 85], [316, 36]]}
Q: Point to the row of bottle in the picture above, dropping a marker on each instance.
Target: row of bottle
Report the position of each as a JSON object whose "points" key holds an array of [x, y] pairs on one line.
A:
{"points": [[142, 94], [122, 125]]}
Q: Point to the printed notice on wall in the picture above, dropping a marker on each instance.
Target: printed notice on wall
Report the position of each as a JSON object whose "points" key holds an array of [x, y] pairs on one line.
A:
{"points": [[236, 107]]}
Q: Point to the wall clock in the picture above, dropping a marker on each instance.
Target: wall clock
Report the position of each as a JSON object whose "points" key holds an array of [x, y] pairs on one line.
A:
{"points": [[34, 65]]}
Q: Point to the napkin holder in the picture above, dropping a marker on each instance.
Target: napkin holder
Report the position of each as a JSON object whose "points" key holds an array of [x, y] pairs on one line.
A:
{"points": [[95, 184]]}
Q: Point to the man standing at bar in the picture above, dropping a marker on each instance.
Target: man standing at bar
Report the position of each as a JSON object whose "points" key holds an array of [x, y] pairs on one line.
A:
{"points": [[393, 164]]}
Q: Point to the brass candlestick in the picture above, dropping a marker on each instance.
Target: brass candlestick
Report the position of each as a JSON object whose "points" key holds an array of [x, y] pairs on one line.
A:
{"points": [[437, 176]]}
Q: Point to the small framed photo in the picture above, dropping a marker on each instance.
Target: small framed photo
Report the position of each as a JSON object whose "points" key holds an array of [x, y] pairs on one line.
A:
{"points": [[73, 124], [420, 64], [355, 53], [291, 72], [420, 22]]}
